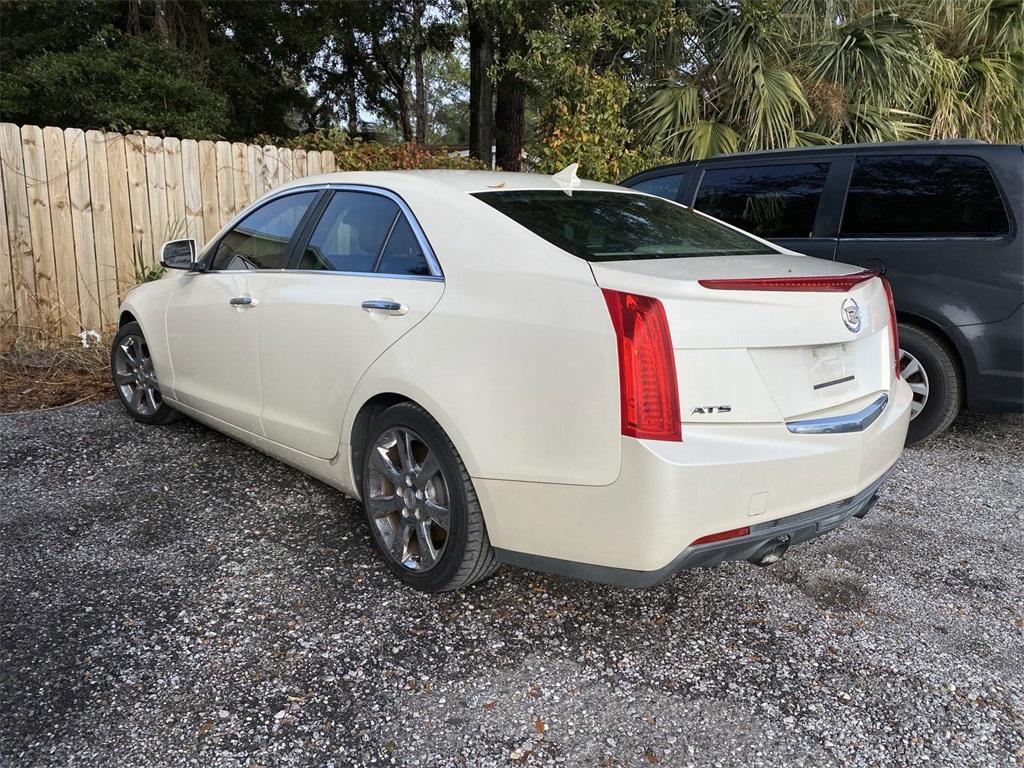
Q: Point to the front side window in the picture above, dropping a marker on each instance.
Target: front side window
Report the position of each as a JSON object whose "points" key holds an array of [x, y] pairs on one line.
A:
{"points": [[662, 186], [770, 201], [619, 226], [923, 196], [260, 240]]}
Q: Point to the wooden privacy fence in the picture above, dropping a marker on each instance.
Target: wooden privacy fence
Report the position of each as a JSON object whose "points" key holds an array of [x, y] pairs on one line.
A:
{"points": [[82, 213]]}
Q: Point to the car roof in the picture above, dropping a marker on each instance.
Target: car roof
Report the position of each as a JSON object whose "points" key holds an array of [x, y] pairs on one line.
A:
{"points": [[828, 149], [448, 181]]}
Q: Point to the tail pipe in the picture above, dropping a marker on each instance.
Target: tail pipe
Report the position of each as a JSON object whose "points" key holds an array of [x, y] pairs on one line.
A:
{"points": [[771, 551]]}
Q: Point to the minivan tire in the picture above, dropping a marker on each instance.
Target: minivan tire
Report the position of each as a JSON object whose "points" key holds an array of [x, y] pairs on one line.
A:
{"points": [[945, 382]]}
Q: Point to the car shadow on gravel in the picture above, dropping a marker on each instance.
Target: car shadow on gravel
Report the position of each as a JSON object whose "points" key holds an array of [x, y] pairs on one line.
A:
{"points": [[171, 597]]}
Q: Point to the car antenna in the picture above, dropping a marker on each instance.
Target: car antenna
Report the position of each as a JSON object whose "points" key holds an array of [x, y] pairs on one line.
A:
{"points": [[568, 177]]}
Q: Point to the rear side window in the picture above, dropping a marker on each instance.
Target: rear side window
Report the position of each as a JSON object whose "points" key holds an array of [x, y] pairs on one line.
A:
{"points": [[770, 201], [260, 240], [662, 186], [364, 232], [619, 226], [402, 254], [923, 196]]}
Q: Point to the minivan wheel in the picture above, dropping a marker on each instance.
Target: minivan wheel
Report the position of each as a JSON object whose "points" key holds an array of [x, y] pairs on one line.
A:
{"points": [[423, 512], [135, 380], [931, 370]]}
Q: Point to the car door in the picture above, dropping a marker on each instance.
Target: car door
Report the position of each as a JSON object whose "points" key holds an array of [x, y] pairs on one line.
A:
{"points": [[212, 315], [781, 201], [362, 277]]}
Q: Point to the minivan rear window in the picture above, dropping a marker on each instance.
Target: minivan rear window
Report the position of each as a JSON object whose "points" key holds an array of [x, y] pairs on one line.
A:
{"points": [[662, 186], [619, 226], [770, 200], [923, 196]]}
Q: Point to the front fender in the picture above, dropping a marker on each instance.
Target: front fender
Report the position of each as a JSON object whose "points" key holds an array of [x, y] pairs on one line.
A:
{"points": [[147, 303]]}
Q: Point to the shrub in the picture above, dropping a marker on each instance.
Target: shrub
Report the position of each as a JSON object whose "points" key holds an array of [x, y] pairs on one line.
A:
{"points": [[358, 155]]}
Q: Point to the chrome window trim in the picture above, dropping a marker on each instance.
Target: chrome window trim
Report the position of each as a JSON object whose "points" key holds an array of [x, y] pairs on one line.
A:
{"points": [[436, 273], [834, 425], [330, 272], [927, 238]]}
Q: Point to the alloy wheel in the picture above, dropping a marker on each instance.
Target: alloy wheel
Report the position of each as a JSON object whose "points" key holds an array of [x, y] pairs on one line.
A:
{"points": [[408, 499], [135, 377], [917, 378]]}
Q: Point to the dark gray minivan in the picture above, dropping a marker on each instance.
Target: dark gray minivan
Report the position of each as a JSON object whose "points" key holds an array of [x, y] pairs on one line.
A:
{"points": [[941, 219]]}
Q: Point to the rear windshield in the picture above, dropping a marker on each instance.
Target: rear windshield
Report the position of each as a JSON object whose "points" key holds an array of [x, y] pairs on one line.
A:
{"points": [[619, 226]]}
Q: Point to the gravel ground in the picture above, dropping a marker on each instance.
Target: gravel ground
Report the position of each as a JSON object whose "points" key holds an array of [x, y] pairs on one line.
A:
{"points": [[170, 597]]}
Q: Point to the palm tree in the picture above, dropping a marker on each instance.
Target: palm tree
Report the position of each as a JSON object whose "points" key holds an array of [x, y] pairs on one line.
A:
{"points": [[753, 75]]}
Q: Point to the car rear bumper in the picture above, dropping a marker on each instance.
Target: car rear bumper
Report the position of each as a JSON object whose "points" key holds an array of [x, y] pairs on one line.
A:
{"points": [[640, 529], [765, 541]]}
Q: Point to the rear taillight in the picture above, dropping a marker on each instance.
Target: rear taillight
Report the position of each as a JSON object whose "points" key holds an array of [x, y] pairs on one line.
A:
{"points": [[823, 284], [734, 533], [649, 392], [894, 334]]}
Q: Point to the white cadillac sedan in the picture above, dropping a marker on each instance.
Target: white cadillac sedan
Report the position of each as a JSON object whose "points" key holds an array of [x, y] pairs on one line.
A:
{"points": [[514, 368]]}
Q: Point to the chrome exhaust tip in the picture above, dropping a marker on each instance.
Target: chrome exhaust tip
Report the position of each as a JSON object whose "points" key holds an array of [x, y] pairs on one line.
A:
{"points": [[771, 552]]}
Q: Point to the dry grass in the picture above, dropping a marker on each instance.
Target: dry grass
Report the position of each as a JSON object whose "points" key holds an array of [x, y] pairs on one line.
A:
{"points": [[37, 377]]}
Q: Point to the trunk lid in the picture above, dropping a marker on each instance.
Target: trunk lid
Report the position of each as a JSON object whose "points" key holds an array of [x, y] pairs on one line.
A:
{"points": [[761, 356]]}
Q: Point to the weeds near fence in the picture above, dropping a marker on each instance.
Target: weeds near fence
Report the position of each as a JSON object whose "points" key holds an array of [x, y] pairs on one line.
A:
{"points": [[146, 273], [34, 377]]}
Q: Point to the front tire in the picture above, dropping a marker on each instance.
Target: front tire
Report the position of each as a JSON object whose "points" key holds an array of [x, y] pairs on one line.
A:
{"points": [[423, 512], [930, 368], [131, 368]]}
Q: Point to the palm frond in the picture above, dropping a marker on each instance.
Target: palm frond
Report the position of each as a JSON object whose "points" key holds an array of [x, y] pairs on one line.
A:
{"points": [[777, 104]]}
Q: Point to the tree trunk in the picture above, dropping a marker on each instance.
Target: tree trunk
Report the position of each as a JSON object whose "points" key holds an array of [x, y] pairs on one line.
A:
{"points": [[508, 123], [352, 105], [350, 56], [398, 78], [481, 97], [404, 113], [419, 46], [160, 21], [134, 22]]}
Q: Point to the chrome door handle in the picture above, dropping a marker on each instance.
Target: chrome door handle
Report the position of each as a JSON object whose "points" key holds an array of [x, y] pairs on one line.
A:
{"points": [[386, 306], [242, 301]]}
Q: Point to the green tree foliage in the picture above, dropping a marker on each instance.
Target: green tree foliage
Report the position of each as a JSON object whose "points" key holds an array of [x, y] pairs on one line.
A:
{"points": [[117, 82], [774, 73], [371, 53], [579, 66], [612, 84], [189, 68], [447, 79]]}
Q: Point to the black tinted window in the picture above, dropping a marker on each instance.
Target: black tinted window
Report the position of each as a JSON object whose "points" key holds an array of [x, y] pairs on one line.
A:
{"points": [[260, 240], [351, 233], [923, 196], [770, 201], [618, 226], [662, 186], [402, 254]]}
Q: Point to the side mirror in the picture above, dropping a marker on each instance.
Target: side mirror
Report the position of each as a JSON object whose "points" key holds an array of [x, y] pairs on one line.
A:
{"points": [[178, 254]]}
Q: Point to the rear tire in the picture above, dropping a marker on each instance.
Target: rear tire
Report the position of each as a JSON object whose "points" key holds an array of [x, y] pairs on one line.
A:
{"points": [[131, 368], [423, 512], [931, 369]]}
